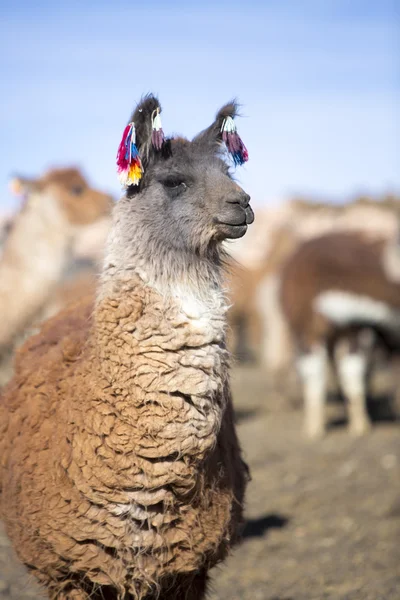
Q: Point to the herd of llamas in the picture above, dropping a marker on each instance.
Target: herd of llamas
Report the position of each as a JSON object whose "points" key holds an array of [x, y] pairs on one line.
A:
{"points": [[121, 475]]}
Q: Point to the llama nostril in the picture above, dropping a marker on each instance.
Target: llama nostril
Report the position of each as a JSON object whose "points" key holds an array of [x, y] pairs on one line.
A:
{"points": [[242, 199]]}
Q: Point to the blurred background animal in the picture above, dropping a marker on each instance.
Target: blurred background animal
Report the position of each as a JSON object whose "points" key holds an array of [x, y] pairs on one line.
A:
{"points": [[338, 297], [261, 329], [278, 231], [48, 255]]}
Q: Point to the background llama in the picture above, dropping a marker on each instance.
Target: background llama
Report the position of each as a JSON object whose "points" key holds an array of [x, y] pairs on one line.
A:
{"points": [[318, 83]]}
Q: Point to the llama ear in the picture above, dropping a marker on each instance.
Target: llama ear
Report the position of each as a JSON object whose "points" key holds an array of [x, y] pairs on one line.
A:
{"points": [[212, 136], [20, 186], [143, 118], [224, 130]]}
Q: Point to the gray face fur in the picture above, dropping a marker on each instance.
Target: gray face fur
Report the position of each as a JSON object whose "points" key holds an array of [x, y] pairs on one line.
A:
{"points": [[186, 199]]}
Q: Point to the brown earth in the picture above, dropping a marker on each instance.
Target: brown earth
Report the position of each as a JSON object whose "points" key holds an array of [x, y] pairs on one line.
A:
{"points": [[323, 518]]}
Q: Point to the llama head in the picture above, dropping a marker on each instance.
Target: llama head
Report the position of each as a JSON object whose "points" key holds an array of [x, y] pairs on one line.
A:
{"points": [[186, 198], [67, 191]]}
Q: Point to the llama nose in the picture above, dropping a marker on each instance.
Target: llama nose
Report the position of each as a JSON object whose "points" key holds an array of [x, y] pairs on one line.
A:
{"points": [[240, 198]]}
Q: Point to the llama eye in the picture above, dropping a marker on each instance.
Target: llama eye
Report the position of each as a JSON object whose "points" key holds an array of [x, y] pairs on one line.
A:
{"points": [[77, 190], [174, 183]]}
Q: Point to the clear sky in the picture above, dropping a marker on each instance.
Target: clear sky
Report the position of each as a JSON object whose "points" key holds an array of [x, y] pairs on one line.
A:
{"points": [[319, 81]]}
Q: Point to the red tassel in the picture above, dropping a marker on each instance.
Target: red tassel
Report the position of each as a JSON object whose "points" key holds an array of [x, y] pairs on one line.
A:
{"points": [[129, 165]]}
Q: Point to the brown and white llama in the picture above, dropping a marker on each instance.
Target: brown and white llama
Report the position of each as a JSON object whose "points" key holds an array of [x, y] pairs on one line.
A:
{"points": [[57, 207], [293, 223], [336, 291], [121, 473]]}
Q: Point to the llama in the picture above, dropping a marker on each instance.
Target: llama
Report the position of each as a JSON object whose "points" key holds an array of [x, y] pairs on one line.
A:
{"points": [[279, 232], [337, 295], [122, 475], [37, 249]]}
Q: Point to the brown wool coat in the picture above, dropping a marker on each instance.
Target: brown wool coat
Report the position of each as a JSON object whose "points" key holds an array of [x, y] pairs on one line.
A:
{"points": [[120, 465]]}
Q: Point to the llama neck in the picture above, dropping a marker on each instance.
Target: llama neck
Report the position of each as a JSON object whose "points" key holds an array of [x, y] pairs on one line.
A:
{"points": [[192, 279], [32, 262], [169, 335]]}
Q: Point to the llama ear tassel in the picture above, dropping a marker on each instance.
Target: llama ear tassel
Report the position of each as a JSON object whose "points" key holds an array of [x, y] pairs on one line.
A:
{"points": [[233, 142], [157, 134], [129, 165]]}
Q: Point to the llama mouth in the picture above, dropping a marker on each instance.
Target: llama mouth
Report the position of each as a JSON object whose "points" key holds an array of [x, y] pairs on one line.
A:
{"points": [[240, 219], [230, 223], [231, 231]]}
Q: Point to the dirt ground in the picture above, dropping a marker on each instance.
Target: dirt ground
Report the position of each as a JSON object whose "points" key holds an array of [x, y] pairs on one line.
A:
{"points": [[323, 519]]}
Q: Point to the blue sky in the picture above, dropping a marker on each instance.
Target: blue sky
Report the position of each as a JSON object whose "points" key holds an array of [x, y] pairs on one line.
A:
{"points": [[319, 81]]}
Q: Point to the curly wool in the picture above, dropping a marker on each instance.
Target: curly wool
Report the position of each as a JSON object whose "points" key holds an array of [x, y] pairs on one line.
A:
{"points": [[120, 463]]}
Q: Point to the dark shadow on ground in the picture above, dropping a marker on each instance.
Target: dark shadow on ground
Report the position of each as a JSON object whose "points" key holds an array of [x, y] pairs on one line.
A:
{"points": [[382, 408], [394, 511], [257, 527]]}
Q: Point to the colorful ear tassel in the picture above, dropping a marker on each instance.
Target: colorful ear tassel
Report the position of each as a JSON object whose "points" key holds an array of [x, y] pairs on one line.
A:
{"points": [[157, 135], [233, 142], [130, 169]]}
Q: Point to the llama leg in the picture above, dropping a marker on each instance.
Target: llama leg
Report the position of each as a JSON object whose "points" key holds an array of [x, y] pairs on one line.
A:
{"points": [[313, 373], [352, 372]]}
